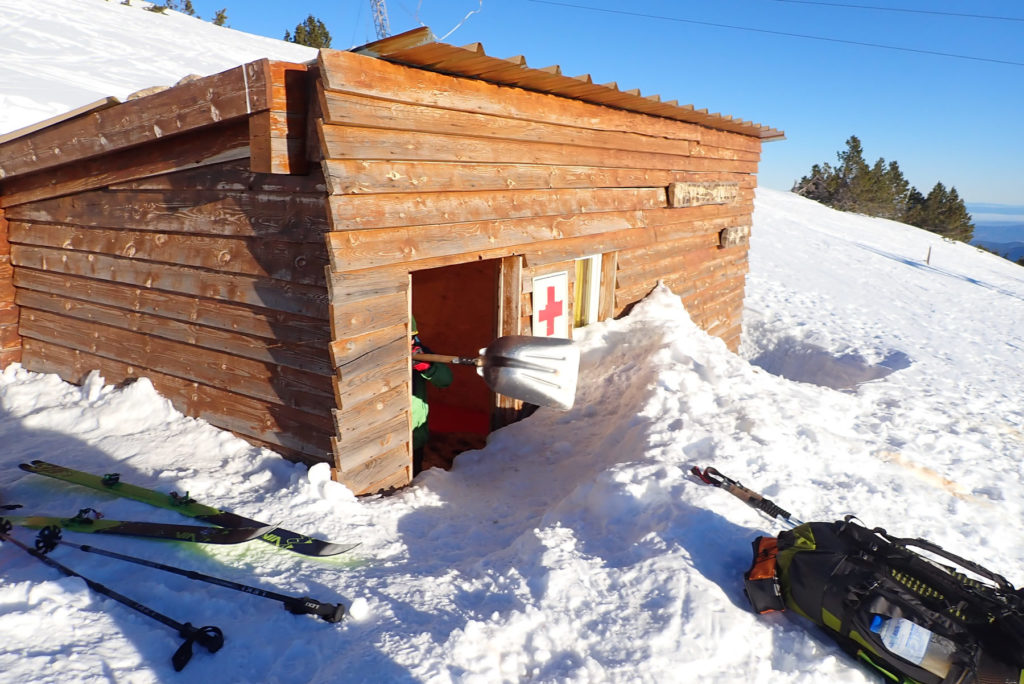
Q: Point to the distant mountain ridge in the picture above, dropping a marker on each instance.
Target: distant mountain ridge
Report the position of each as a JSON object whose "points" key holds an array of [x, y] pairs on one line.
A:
{"points": [[1013, 251]]}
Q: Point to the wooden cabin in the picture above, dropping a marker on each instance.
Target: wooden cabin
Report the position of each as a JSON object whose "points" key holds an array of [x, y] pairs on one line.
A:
{"points": [[254, 242]]}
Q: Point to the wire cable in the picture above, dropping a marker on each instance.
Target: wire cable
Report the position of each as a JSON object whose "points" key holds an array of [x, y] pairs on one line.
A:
{"points": [[901, 9], [781, 33]]}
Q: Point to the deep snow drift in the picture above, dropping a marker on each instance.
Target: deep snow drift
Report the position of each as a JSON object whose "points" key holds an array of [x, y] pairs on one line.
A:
{"points": [[575, 546]]}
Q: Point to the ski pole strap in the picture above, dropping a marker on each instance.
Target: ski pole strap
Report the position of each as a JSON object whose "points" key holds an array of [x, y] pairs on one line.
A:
{"points": [[209, 637], [713, 477]]}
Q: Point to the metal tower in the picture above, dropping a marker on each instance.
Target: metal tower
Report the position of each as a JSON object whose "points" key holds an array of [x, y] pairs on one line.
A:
{"points": [[380, 18]]}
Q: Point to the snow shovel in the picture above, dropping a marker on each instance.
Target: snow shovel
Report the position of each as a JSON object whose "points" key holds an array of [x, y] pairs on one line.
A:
{"points": [[537, 370]]}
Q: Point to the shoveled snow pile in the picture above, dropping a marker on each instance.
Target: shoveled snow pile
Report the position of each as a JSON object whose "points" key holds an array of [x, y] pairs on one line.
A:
{"points": [[575, 547]]}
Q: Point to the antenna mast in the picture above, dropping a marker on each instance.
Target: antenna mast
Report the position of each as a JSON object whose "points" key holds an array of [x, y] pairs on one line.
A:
{"points": [[380, 19]]}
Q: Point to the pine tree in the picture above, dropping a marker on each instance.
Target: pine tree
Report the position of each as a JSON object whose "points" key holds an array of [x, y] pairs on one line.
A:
{"points": [[312, 33], [850, 174], [220, 17], [881, 190], [942, 212]]}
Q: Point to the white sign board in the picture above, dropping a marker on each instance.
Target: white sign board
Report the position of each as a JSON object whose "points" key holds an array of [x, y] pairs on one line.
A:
{"points": [[551, 305]]}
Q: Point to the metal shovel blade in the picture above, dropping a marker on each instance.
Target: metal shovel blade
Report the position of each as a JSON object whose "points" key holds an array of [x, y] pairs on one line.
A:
{"points": [[537, 370]]}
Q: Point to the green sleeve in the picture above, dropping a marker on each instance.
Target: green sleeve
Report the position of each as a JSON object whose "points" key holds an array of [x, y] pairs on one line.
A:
{"points": [[439, 374]]}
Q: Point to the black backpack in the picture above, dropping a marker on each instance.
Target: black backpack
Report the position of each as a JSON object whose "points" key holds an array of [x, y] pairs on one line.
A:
{"points": [[886, 604]]}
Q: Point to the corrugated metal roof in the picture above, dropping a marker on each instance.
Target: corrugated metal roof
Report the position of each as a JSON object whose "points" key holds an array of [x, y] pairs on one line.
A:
{"points": [[419, 48]]}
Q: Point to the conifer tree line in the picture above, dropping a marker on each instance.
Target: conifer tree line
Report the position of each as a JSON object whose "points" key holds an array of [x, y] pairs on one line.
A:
{"points": [[185, 7], [881, 190], [312, 33]]}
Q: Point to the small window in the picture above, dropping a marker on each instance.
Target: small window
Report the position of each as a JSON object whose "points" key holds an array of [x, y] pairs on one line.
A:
{"points": [[587, 295]]}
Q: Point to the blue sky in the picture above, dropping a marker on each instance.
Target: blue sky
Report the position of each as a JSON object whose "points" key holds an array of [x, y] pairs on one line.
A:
{"points": [[946, 105]]}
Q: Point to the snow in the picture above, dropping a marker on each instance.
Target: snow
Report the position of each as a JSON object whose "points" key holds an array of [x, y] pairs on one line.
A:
{"points": [[58, 55], [575, 547]]}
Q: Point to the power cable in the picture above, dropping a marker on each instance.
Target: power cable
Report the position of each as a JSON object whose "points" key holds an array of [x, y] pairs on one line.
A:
{"points": [[901, 9], [780, 33]]}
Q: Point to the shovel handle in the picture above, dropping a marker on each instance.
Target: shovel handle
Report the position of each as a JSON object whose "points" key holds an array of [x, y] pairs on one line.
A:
{"points": [[457, 360]]}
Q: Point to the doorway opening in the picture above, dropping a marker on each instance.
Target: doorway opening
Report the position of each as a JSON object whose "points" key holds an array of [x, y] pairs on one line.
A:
{"points": [[456, 311]]}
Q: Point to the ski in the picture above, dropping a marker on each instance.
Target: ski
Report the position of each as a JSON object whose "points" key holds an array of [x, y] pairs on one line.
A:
{"points": [[185, 505], [89, 521]]}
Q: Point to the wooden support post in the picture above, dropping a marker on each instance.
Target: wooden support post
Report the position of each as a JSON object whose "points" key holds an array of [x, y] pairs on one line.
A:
{"points": [[510, 311]]}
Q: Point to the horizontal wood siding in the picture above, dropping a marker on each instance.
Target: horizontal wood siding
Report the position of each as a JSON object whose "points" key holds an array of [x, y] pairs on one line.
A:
{"points": [[425, 169], [10, 340], [234, 94], [209, 281]]}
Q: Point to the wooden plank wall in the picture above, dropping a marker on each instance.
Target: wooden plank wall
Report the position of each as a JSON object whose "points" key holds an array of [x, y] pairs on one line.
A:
{"points": [[10, 340], [426, 169], [209, 281]]}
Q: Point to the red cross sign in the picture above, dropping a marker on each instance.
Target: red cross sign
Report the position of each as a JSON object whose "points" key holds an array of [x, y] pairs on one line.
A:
{"points": [[550, 307]]}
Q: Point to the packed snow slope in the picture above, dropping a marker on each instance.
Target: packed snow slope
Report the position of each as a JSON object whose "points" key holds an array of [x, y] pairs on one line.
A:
{"points": [[58, 55], [575, 547]]}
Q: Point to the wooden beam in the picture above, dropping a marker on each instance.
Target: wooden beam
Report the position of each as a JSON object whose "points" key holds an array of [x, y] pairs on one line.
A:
{"points": [[352, 110], [259, 380], [290, 261], [291, 218], [356, 212], [207, 147], [279, 326], [278, 136], [296, 434], [95, 105], [355, 74], [351, 142], [354, 250], [234, 93], [303, 300]]}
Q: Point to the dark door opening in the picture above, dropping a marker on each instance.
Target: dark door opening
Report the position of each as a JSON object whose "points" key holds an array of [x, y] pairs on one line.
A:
{"points": [[455, 309]]}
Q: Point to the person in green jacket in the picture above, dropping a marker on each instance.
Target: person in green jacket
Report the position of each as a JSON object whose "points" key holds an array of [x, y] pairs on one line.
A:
{"points": [[438, 374]]}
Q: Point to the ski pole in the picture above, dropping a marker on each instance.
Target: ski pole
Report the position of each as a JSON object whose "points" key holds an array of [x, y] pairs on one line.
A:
{"points": [[748, 496], [209, 637], [50, 536]]}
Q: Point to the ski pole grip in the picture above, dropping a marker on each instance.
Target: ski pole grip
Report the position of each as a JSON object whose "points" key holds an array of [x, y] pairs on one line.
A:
{"points": [[330, 612], [772, 509]]}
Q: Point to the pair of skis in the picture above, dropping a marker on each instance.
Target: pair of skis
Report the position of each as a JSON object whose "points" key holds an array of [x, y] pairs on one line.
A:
{"points": [[230, 527], [210, 637]]}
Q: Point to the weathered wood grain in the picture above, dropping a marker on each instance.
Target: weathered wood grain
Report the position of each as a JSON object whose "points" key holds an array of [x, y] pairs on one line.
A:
{"points": [[278, 327], [378, 472], [359, 75], [313, 359], [293, 262], [404, 210], [362, 176], [208, 147], [354, 250], [346, 110], [349, 142], [295, 434], [290, 218], [228, 95], [303, 300], [259, 380]]}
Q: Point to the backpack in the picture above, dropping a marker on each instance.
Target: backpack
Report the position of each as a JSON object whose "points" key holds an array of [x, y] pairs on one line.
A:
{"points": [[906, 615]]}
